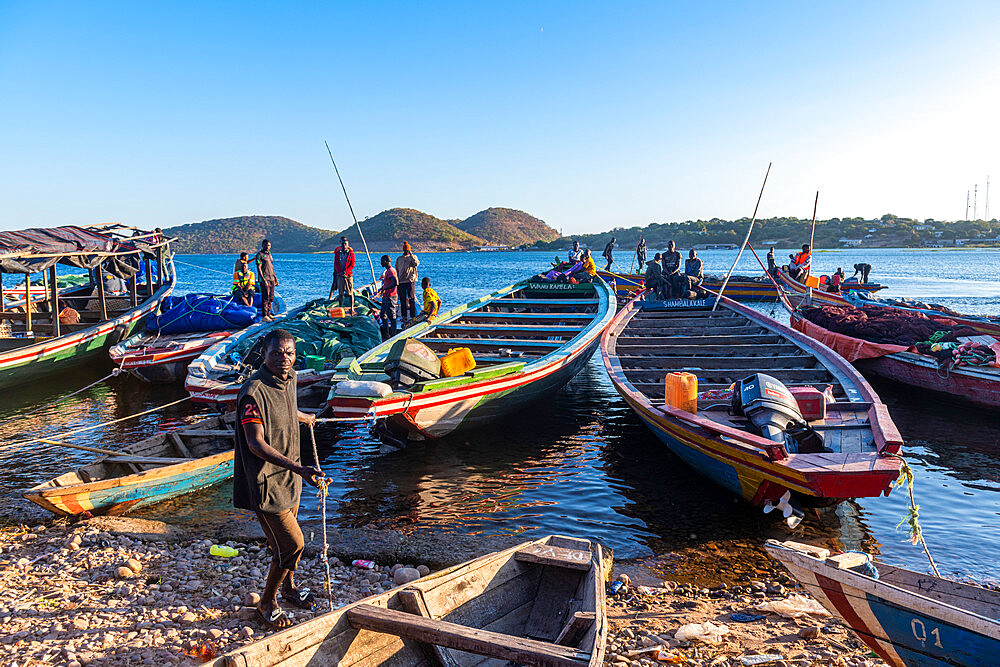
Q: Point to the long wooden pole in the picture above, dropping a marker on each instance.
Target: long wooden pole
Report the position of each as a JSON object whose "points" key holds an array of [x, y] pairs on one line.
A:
{"points": [[100, 292], [54, 284], [95, 450], [27, 302], [725, 282], [812, 234], [356, 223]]}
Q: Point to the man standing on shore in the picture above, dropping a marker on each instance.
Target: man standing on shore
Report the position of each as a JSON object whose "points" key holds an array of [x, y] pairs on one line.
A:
{"points": [[266, 278], [608, 250], [268, 472], [343, 273], [406, 273]]}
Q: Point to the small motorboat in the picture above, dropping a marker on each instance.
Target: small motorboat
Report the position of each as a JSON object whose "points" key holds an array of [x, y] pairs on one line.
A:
{"points": [[907, 618], [163, 466], [525, 341], [540, 603], [762, 410], [160, 357]]}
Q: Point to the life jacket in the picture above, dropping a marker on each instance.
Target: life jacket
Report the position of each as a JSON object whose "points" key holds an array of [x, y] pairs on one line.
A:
{"points": [[242, 279], [803, 259]]}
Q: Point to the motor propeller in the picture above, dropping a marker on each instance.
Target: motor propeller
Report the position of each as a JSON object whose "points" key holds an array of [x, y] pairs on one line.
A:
{"points": [[793, 517]]}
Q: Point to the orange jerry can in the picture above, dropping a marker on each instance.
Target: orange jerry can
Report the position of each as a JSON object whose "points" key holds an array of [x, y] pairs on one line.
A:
{"points": [[682, 391], [812, 281], [338, 312], [458, 360]]}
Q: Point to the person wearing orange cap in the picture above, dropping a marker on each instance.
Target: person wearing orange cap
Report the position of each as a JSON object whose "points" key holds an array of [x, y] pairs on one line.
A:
{"points": [[406, 272]]}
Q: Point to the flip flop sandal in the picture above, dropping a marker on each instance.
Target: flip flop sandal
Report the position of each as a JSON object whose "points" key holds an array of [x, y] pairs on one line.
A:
{"points": [[278, 620], [304, 599]]}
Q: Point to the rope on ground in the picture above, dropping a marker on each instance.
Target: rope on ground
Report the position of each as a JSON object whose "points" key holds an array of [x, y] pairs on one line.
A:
{"points": [[912, 516], [327, 583], [61, 398]]}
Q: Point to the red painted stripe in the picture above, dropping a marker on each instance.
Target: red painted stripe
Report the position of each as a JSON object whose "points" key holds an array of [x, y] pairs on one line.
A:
{"points": [[835, 592]]}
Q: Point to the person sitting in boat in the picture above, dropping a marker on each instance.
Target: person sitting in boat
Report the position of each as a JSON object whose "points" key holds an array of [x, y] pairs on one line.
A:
{"points": [[864, 269], [835, 281], [587, 271], [243, 283], [799, 268], [653, 280], [693, 268], [432, 302], [575, 255], [268, 471], [671, 261]]}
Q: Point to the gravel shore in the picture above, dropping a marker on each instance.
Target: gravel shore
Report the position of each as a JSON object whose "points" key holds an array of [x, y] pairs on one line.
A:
{"points": [[117, 591]]}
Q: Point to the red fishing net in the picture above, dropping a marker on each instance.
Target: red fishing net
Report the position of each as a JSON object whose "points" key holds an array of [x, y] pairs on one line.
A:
{"points": [[884, 325]]}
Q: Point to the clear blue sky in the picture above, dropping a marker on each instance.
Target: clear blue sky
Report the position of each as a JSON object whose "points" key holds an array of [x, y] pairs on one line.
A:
{"points": [[588, 115]]}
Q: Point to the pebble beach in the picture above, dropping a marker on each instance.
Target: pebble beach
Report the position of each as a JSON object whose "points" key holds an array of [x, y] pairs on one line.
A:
{"points": [[116, 591]]}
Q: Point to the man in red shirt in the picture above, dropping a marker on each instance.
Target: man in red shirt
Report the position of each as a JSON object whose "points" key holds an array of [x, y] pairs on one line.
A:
{"points": [[343, 273], [387, 315]]}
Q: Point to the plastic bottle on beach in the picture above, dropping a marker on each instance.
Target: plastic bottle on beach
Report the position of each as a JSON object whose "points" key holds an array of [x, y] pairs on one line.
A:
{"points": [[364, 564], [223, 551]]}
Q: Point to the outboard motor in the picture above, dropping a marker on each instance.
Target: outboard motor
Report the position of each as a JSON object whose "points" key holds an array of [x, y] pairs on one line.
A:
{"points": [[772, 409], [768, 405]]}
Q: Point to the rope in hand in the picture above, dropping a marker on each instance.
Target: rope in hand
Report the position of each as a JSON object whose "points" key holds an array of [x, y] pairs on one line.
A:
{"points": [[322, 495], [912, 516]]}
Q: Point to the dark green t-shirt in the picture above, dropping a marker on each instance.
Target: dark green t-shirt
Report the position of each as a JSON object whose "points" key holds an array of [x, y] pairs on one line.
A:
{"points": [[258, 484]]}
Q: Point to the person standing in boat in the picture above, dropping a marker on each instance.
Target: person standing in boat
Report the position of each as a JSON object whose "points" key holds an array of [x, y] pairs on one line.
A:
{"points": [[864, 269], [387, 314], [671, 260], [608, 252], [640, 253], [268, 471], [406, 273], [343, 273], [266, 278], [243, 285], [772, 266], [575, 255]]}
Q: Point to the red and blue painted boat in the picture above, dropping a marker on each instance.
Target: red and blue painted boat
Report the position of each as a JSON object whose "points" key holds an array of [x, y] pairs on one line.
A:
{"points": [[907, 618], [900, 363], [649, 339], [528, 340], [161, 467]]}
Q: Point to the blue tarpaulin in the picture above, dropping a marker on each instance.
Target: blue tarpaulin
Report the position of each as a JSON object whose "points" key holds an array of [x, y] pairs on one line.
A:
{"points": [[201, 312]]}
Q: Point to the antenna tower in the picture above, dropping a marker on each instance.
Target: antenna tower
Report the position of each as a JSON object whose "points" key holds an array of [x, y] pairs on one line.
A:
{"points": [[975, 195], [987, 213], [966, 204]]}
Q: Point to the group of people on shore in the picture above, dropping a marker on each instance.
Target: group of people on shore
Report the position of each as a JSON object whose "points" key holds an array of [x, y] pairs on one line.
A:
{"points": [[398, 287]]}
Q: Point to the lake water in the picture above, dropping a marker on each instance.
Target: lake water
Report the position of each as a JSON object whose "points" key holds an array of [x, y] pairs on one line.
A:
{"points": [[579, 462]]}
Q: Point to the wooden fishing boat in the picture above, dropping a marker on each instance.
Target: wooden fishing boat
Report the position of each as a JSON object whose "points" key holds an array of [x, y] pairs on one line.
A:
{"points": [[527, 340], [798, 292], [979, 385], [218, 373], [34, 341], [739, 288], [163, 466], [161, 358], [649, 339], [907, 618], [540, 603]]}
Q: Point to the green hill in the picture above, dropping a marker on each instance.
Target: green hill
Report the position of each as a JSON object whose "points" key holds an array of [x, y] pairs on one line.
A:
{"points": [[507, 226], [388, 230], [229, 235]]}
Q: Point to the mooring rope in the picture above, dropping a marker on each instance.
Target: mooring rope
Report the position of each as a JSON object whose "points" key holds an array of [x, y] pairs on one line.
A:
{"points": [[322, 495], [912, 516], [61, 398]]}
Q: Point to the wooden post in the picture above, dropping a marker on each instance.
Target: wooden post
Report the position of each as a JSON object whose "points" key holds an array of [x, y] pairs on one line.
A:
{"points": [[3, 297], [27, 302], [100, 292], [53, 282], [149, 277]]}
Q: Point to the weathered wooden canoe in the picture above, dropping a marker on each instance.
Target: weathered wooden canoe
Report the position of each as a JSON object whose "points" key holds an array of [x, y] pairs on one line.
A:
{"points": [[907, 618], [975, 384], [163, 466], [540, 603], [798, 292], [649, 339], [36, 343], [162, 358], [528, 340]]}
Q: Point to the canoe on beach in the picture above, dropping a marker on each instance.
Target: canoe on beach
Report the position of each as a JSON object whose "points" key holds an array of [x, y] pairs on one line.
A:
{"points": [[909, 619], [217, 375], [157, 357], [976, 384], [44, 339], [649, 339], [527, 341], [539, 603], [163, 466]]}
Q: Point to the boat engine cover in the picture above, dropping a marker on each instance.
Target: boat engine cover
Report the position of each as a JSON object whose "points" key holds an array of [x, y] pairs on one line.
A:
{"points": [[768, 404]]}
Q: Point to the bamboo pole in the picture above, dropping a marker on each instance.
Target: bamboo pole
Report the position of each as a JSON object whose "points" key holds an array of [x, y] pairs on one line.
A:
{"points": [[95, 450], [3, 297], [149, 276], [812, 234], [100, 292], [356, 223], [27, 302], [54, 284], [745, 241]]}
